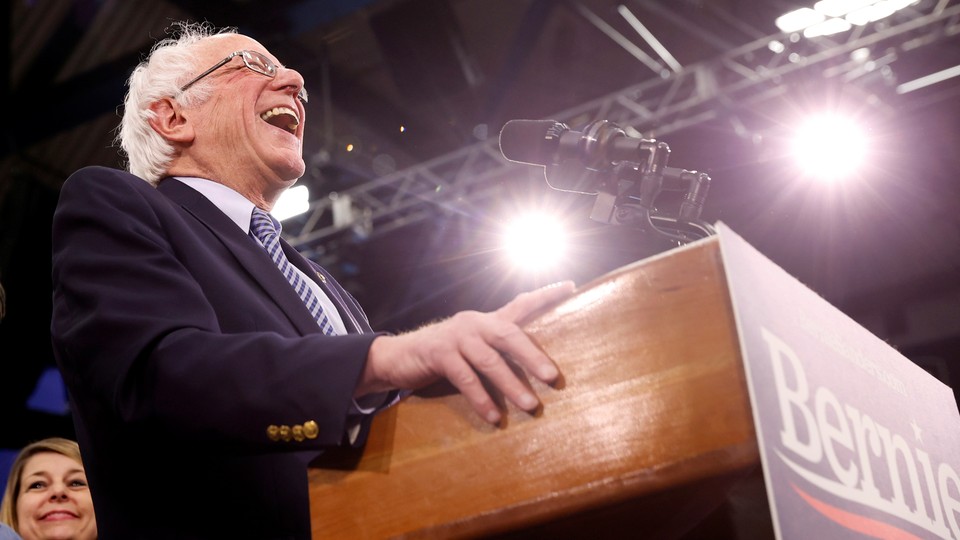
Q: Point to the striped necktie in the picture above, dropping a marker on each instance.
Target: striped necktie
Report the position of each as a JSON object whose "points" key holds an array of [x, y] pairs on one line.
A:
{"points": [[267, 231]]}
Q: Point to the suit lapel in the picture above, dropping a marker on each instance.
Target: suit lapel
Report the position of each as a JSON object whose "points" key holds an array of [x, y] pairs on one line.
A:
{"points": [[326, 281], [245, 249]]}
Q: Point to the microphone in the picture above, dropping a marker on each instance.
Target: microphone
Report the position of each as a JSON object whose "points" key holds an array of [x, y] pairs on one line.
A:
{"points": [[627, 174], [548, 142]]}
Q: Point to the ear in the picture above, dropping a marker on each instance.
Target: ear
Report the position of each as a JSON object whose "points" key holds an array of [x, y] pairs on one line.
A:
{"points": [[169, 121]]}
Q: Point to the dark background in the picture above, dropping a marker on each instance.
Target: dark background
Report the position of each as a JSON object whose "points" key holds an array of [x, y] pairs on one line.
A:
{"points": [[426, 202]]}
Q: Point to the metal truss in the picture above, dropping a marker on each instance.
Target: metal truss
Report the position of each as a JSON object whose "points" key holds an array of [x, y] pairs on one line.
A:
{"points": [[737, 80]]}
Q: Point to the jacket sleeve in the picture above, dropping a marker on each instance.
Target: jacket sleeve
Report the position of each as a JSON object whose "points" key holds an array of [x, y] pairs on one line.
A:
{"points": [[155, 324]]}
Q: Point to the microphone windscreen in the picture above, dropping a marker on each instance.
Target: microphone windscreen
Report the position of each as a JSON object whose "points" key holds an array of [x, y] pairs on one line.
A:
{"points": [[530, 141]]}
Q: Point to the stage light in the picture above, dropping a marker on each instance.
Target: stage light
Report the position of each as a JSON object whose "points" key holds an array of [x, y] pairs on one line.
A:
{"points": [[833, 16], [798, 19], [829, 147], [292, 202], [839, 8], [826, 28], [535, 242], [872, 13]]}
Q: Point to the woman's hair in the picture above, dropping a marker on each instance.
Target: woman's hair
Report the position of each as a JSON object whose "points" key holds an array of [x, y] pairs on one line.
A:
{"points": [[169, 65], [57, 445]]}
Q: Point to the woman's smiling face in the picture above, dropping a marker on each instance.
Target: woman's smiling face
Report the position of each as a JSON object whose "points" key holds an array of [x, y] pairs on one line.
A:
{"points": [[54, 500]]}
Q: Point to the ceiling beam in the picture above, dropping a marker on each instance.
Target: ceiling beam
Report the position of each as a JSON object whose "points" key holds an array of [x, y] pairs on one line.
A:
{"points": [[744, 76]]}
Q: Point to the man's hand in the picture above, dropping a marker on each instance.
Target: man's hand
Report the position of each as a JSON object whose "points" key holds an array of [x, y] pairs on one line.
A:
{"points": [[462, 348]]}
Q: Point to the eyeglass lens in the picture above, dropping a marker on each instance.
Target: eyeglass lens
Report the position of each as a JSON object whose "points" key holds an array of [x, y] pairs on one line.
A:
{"points": [[260, 63]]}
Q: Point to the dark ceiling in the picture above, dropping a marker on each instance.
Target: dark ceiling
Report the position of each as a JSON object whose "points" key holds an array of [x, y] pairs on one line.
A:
{"points": [[425, 200]]}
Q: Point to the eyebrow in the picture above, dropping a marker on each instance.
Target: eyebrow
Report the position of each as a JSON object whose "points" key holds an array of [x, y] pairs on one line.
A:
{"points": [[47, 473]]}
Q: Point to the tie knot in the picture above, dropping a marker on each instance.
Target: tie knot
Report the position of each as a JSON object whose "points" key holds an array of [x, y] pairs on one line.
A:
{"points": [[263, 225]]}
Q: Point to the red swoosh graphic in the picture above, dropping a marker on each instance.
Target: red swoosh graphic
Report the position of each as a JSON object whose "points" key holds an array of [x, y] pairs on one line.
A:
{"points": [[865, 525]]}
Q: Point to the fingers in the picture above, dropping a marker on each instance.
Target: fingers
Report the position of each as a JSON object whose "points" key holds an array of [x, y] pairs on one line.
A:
{"points": [[511, 341], [466, 349], [489, 362], [485, 346], [528, 302], [463, 375]]}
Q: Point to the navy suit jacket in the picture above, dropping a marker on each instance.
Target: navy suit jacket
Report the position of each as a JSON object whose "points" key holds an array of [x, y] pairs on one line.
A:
{"points": [[184, 350]]}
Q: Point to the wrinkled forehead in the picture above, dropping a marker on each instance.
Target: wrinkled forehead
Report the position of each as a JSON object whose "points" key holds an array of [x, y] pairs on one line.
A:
{"points": [[211, 50]]}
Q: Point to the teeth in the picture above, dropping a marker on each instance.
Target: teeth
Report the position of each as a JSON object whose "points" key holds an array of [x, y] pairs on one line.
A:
{"points": [[282, 110]]}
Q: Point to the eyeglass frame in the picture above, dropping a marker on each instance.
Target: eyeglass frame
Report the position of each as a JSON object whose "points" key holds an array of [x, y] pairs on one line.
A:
{"points": [[270, 66]]}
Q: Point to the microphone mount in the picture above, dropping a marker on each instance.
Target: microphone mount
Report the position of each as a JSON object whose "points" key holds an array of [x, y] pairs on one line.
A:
{"points": [[628, 177]]}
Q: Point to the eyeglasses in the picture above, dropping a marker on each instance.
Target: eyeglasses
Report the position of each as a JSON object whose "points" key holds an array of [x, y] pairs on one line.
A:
{"points": [[253, 60]]}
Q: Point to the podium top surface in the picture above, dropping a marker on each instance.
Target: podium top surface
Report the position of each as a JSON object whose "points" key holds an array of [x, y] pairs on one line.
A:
{"points": [[652, 398]]}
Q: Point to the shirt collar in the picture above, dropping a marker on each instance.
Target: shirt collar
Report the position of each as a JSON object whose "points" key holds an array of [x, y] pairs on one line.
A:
{"points": [[237, 207]]}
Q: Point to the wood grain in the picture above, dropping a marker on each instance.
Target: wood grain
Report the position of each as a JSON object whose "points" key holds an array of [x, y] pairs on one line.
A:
{"points": [[653, 398]]}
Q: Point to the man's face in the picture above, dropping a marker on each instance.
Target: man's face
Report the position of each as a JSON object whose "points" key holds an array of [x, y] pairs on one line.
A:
{"points": [[252, 125]]}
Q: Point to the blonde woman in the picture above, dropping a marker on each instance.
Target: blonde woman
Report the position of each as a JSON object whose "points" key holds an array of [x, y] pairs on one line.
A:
{"points": [[47, 497]]}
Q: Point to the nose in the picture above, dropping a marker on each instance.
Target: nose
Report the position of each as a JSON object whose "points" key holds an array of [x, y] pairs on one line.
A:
{"points": [[289, 80], [58, 492]]}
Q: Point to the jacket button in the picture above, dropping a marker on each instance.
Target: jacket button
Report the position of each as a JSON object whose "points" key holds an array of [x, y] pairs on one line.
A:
{"points": [[285, 433], [310, 429], [297, 431], [273, 433]]}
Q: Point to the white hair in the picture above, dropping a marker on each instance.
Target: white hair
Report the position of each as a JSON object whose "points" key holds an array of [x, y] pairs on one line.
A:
{"points": [[169, 64]]}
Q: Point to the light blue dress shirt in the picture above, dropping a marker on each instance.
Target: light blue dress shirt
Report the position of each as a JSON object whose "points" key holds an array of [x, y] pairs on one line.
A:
{"points": [[239, 209]]}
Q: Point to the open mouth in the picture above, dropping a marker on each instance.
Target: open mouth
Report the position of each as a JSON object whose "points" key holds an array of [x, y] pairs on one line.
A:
{"points": [[282, 117]]}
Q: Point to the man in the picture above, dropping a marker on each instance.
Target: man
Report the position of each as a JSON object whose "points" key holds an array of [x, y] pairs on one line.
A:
{"points": [[201, 382]]}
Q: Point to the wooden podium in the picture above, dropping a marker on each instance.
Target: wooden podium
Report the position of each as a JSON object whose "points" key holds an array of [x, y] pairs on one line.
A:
{"points": [[644, 435]]}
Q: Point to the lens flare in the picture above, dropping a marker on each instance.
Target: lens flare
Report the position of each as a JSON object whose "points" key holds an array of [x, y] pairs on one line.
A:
{"points": [[535, 242], [829, 147]]}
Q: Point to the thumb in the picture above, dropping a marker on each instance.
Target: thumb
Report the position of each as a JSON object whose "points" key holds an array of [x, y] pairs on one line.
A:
{"points": [[528, 302]]}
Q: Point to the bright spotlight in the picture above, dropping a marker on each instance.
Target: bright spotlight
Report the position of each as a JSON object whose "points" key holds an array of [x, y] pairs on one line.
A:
{"points": [[535, 242], [798, 19], [826, 28], [292, 202], [829, 147]]}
